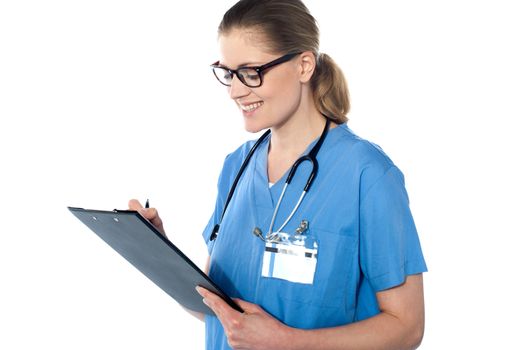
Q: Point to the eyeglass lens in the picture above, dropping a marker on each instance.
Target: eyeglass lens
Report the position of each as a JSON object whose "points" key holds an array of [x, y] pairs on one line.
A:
{"points": [[248, 76]]}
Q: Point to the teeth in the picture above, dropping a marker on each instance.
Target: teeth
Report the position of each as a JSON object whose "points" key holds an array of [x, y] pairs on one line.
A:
{"points": [[251, 107]]}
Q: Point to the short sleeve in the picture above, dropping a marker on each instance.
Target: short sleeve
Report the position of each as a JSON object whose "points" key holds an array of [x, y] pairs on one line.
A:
{"points": [[389, 244], [218, 207], [213, 221]]}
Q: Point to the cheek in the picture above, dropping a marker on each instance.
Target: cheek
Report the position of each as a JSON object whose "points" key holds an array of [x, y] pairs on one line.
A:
{"points": [[284, 96]]}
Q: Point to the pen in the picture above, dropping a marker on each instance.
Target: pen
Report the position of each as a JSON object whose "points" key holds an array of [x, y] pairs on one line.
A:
{"points": [[147, 203]]}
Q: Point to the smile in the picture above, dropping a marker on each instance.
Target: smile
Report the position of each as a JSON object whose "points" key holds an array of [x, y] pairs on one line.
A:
{"points": [[250, 107]]}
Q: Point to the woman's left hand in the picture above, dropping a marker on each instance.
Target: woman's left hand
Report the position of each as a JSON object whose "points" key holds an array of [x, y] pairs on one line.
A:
{"points": [[253, 329]]}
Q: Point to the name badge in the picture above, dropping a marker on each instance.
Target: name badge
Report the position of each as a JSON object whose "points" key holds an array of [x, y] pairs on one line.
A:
{"points": [[291, 258]]}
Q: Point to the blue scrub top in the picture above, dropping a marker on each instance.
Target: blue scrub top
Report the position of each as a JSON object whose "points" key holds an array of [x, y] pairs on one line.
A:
{"points": [[358, 211]]}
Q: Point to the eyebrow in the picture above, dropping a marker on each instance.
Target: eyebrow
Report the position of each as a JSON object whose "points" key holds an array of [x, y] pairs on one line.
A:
{"points": [[247, 64]]}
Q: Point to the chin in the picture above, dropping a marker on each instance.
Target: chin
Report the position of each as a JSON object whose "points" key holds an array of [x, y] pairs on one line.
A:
{"points": [[254, 127]]}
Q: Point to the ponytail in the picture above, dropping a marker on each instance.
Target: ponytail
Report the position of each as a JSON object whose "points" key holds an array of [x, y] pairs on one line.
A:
{"points": [[289, 27], [330, 90]]}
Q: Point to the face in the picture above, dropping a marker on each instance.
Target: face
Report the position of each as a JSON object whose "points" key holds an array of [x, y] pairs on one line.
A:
{"points": [[273, 103]]}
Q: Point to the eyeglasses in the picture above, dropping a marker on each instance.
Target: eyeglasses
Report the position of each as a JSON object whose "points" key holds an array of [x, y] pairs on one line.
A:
{"points": [[249, 76]]}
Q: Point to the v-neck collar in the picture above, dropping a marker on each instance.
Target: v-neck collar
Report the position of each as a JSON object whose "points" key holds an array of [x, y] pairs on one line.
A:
{"points": [[263, 197], [261, 183], [270, 194]]}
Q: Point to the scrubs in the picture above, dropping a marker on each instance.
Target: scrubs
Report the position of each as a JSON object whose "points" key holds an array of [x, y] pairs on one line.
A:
{"points": [[358, 213]]}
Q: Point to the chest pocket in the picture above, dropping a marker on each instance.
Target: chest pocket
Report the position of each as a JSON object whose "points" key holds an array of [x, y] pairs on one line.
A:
{"points": [[336, 259]]}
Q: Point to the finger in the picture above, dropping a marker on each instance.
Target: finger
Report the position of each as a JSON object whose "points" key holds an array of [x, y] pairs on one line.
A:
{"points": [[249, 308], [149, 213], [152, 215], [204, 293], [222, 310], [134, 204]]}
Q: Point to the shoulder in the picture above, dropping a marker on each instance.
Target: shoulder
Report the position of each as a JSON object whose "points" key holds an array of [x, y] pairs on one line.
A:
{"points": [[361, 152], [239, 154], [232, 163], [368, 160], [236, 158]]}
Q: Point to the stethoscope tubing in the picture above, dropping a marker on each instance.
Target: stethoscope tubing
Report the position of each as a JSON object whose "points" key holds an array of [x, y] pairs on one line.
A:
{"points": [[311, 156], [215, 230]]}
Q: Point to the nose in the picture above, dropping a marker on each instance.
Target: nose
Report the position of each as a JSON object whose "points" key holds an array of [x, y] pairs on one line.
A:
{"points": [[237, 89]]}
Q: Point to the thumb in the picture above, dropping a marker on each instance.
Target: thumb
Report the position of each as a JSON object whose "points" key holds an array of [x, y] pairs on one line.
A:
{"points": [[249, 308]]}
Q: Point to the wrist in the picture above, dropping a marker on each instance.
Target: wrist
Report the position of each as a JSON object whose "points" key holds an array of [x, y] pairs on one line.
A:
{"points": [[293, 339]]}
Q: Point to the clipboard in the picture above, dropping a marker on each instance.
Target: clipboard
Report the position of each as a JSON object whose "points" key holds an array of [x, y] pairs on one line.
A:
{"points": [[142, 245]]}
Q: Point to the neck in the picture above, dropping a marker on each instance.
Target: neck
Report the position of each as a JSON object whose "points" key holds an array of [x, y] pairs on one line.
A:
{"points": [[294, 136]]}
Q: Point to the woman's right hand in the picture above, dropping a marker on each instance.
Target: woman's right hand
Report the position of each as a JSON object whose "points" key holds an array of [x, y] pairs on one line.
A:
{"points": [[150, 214]]}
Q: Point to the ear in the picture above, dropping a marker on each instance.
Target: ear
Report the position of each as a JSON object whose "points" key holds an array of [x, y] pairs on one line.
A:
{"points": [[307, 66]]}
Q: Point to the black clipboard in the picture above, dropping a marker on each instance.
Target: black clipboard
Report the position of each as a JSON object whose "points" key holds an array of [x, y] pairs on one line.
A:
{"points": [[139, 242]]}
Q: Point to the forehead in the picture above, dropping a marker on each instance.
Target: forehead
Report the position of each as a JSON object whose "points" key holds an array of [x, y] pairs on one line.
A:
{"points": [[241, 47]]}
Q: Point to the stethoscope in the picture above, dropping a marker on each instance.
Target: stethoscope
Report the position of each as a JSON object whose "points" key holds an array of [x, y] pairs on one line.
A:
{"points": [[311, 157]]}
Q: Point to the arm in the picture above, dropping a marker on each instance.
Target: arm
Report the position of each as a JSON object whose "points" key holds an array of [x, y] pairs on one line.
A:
{"points": [[399, 325]]}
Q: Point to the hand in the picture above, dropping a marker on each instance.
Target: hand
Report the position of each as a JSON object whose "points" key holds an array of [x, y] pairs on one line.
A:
{"points": [[253, 329], [150, 214]]}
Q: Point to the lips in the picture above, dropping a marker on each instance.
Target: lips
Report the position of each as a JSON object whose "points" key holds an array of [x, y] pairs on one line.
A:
{"points": [[249, 107]]}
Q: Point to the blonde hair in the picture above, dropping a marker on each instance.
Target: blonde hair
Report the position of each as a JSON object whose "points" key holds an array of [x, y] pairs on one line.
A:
{"points": [[289, 27]]}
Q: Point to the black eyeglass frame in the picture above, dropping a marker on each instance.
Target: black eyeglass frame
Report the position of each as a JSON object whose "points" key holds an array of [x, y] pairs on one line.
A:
{"points": [[258, 69]]}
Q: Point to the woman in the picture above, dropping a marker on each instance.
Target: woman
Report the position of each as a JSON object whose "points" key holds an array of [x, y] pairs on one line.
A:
{"points": [[344, 269]]}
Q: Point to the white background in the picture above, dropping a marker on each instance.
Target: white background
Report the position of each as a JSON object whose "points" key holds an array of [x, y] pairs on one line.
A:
{"points": [[103, 101]]}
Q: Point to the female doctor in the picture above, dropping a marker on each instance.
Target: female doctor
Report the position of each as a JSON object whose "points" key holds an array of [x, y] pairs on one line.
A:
{"points": [[331, 260]]}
